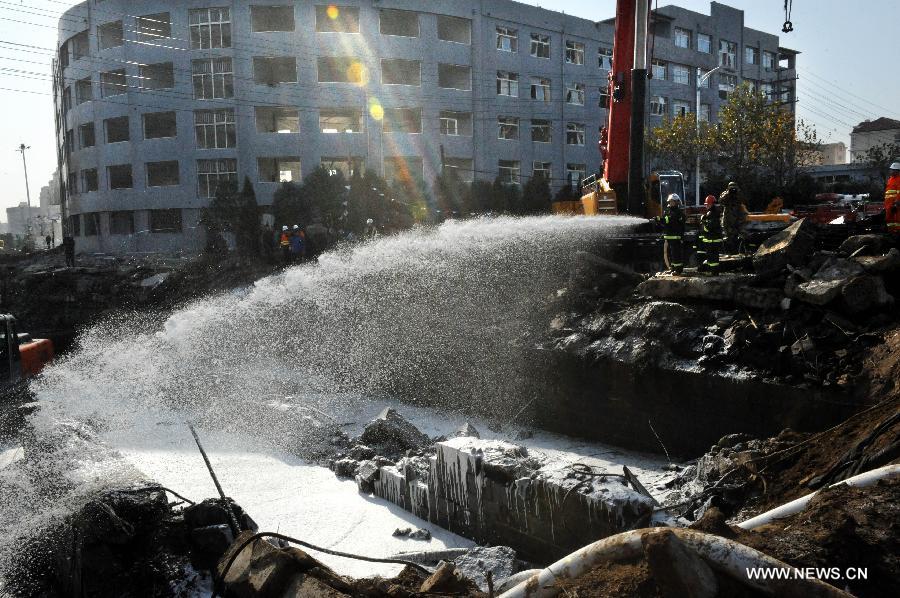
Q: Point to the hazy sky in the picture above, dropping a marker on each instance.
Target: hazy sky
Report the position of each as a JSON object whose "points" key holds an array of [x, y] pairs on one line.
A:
{"points": [[848, 70]]}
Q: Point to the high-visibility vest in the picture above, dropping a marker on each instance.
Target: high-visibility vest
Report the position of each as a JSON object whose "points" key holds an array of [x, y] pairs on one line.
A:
{"points": [[285, 240], [892, 204]]}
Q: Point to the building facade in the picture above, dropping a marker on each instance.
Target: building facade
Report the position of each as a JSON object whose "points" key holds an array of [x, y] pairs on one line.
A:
{"points": [[873, 133], [159, 101], [827, 154]]}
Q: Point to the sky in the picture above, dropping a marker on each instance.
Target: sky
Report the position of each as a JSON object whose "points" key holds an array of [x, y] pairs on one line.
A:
{"points": [[847, 70]]}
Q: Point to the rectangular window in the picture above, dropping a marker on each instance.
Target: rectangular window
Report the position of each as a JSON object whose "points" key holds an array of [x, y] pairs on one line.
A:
{"points": [[575, 94], [682, 38], [212, 173], [541, 131], [768, 60], [402, 23], [509, 171], [339, 69], [402, 120], [81, 45], [540, 89], [405, 169], [113, 83], [658, 106], [337, 19], [279, 170], [277, 119], [153, 28], [210, 28], [165, 221], [604, 58], [110, 35], [768, 90], [659, 69], [86, 135], [121, 223], [727, 54], [265, 19], [681, 74], [603, 102], [120, 176], [574, 133], [454, 29], [704, 43], [72, 182], [67, 99], [508, 127], [91, 225], [574, 52], [575, 174], [215, 129], [158, 125], [117, 129], [540, 45], [90, 182], [157, 76], [727, 84], [751, 55], [456, 123], [64, 55], [70, 141], [455, 76], [163, 174], [507, 84], [345, 166], [272, 70], [75, 225], [704, 112], [84, 91], [398, 71], [463, 167], [507, 39], [681, 108], [542, 169], [213, 78], [340, 120]]}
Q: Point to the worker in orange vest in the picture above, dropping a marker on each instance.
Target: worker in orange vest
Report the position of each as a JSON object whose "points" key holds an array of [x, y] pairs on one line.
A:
{"points": [[892, 200]]}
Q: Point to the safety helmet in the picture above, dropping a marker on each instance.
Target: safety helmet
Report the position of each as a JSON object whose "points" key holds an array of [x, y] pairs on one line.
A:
{"points": [[710, 201], [284, 228], [296, 227], [673, 199], [895, 166], [369, 221], [732, 185]]}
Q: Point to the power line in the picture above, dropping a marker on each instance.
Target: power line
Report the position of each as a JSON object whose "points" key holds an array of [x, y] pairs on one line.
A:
{"points": [[837, 88]]}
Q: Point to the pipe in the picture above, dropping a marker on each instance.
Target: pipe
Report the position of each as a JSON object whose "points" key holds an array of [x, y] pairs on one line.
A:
{"points": [[515, 579], [795, 506], [726, 556], [638, 110]]}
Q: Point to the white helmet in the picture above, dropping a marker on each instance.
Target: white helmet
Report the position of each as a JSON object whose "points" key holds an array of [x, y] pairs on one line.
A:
{"points": [[284, 228], [895, 166], [296, 227], [674, 198]]}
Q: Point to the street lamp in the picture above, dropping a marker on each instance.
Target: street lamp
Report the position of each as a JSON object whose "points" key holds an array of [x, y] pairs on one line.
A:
{"points": [[29, 238], [701, 79]]}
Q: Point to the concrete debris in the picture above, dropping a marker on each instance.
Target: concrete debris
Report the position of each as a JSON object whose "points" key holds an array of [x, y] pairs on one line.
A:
{"points": [[408, 532], [791, 247], [390, 432], [880, 264], [500, 561], [447, 580], [467, 429], [871, 244]]}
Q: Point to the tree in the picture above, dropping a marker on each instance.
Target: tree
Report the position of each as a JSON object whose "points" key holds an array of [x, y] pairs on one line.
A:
{"points": [[234, 212], [449, 194], [244, 222], [675, 145], [505, 197], [536, 195], [290, 205], [477, 197], [880, 157], [326, 193]]}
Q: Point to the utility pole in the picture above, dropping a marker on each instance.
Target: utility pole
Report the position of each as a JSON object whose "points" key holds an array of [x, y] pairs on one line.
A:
{"points": [[701, 79], [29, 238]]}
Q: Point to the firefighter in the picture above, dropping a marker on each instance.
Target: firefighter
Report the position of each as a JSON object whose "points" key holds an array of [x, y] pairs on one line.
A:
{"points": [[673, 234], [285, 243], [892, 200], [734, 217], [710, 237], [699, 248]]}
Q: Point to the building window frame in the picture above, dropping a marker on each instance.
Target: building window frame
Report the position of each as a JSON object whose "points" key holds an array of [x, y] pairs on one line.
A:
{"points": [[508, 84], [574, 52], [507, 39], [575, 133], [210, 27], [215, 128], [540, 46]]}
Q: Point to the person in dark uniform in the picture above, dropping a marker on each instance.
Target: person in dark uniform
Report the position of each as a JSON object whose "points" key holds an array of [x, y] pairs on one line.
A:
{"points": [[69, 247], [710, 237], [673, 234]]}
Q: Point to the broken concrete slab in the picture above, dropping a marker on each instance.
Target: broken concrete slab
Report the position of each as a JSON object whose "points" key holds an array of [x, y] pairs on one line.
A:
{"points": [[500, 561], [736, 288], [878, 264], [872, 244], [467, 429], [791, 247], [838, 269], [391, 431], [865, 293], [817, 292]]}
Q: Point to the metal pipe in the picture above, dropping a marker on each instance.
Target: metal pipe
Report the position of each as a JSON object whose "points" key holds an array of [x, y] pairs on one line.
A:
{"points": [[700, 80], [232, 520]]}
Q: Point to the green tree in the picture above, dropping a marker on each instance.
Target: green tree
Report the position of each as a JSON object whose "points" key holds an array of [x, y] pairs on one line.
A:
{"points": [[536, 195], [505, 197], [326, 193], [244, 222], [477, 197], [290, 205], [449, 194], [879, 158], [675, 144]]}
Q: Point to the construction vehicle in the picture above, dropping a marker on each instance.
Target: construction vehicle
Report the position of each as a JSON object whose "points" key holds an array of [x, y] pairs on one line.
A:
{"points": [[21, 356]]}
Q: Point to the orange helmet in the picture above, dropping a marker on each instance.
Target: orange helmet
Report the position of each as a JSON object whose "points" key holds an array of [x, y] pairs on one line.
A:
{"points": [[710, 200]]}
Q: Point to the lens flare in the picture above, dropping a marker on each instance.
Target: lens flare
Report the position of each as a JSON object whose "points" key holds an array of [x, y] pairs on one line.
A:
{"points": [[333, 12], [358, 73], [376, 110]]}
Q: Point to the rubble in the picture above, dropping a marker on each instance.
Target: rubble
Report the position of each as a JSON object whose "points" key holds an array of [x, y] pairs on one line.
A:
{"points": [[790, 247], [390, 433]]}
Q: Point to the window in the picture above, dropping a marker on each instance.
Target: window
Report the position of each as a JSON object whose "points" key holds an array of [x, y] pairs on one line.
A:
{"points": [[215, 129], [456, 123], [110, 35], [508, 127], [404, 23], [727, 83], [454, 29], [213, 78], [165, 221], [163, 174], [278, 170], [121, 223], [64, 55], [212, 173], [345, 166], [707, 83], [509, 171], [455, 76], [339, 69], [72, 182], [70, 141], [575, 174], [768, 90], [158, 125], [150, 28], [87, 135], [682, 38], [67, 99], [603, 102], [768, 60], [704, 112], [81, 45], [604, 58], [507, 84], [463, 167], [402, 120], [507, 39], [540, 45], [406, 169], [276, 119], [398, 71], [540, 89], [541, 131], [272, 70], [704, 43], [75, 225], [337, 19], [113, 83], [210, 28], [658, 106], [681, 108], [340, 120], [90, 181], [84, 91], [542, 169], [574, 134], [751, 55], [157, 76], [659, 69], [681, 74], [574, 52], [271, 18], [117, 129], [120, 176], [91, 225], [727, 54], [575, 94]]}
